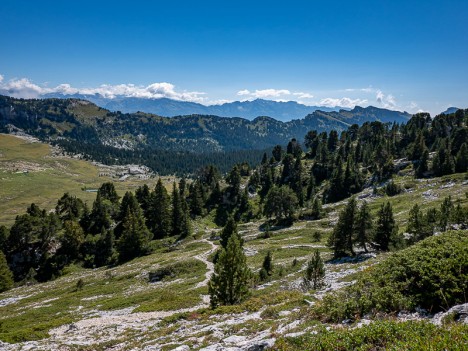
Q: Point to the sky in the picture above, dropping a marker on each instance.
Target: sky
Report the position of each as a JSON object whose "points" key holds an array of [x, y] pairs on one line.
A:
{"points": [[406, 55]]}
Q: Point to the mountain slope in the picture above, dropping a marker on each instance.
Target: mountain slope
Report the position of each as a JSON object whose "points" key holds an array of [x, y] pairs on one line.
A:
{"points": [[80, 126], [283, 111]]}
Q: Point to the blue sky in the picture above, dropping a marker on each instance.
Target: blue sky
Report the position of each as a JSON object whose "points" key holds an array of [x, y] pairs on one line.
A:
{"points": [[405, 55]]}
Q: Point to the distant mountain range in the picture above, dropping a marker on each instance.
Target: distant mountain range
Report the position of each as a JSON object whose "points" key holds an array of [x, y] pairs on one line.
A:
{"points": [[82, 120], [282, 111]]}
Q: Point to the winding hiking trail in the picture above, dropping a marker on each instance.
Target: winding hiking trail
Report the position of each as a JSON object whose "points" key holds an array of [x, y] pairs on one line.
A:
{"points": [[209, 265]]}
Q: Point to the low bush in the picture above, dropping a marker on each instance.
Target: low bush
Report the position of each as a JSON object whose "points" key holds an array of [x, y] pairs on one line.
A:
{"points": [[433, 274], [383, 335]]}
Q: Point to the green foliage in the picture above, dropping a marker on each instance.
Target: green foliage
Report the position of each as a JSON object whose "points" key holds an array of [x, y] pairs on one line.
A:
{"points": [[392, 189], [267, 264], [6, 277], [431, 274], [230, 281], [135, 237], [314, 273], [386, 232], [280, 202], [341, 240], [159, 220], [380, 335]]}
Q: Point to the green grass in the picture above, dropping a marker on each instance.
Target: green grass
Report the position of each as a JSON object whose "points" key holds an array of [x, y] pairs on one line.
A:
{"points": [[385, 335], [44, 187]]}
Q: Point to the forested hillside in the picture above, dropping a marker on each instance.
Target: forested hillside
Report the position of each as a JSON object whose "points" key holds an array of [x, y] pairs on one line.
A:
{"points": [[81, 127]]}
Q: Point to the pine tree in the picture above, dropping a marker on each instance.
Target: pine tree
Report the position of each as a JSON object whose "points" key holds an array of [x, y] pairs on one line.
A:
{"points": [[341, 240], [311, 190], [6, 277], [316, 210], [160, 219], [267, 264], [71, 240], [446, 209], [105, 249], [229, 283], [386, 232], [422, 165], [180, 218], [363, 226], [69, 207], [416, 224], [135, 237], [462, 159], [230, 229], [314, 273], [143, 195], [100, 216]]}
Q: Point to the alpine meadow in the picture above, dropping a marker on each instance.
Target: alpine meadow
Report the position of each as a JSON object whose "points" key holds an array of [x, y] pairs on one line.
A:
{"points": [[267, 176]]}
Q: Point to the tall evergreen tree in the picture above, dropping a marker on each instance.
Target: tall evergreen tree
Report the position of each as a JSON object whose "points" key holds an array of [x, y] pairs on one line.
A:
{"points": [[160, 219], [229, 230], [230, 281], [422, 165], [180, 218], [135, 237], [386, 232], [341, 240], [6, 276], [69, 207], [363, 226], [462, 159]]}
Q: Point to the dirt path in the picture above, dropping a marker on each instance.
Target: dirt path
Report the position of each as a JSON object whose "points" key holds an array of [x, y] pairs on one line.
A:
{"points": [[209, 265]]}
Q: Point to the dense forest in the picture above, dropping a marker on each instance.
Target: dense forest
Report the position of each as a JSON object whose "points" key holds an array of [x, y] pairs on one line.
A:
{"points": [[290, 183]]}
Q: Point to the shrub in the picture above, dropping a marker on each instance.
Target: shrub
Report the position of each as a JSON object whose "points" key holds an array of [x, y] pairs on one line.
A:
{"points": [[432, 274]]}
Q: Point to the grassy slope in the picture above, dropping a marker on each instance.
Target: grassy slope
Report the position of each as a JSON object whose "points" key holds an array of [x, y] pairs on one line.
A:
{"points": [[44, 186]]}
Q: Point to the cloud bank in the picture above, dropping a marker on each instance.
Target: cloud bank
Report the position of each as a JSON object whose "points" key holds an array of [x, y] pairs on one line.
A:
{"points": [[24, 88]]}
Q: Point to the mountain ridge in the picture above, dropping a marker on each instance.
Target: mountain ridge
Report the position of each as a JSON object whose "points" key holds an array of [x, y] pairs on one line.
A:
{"points": [[249, 109]]}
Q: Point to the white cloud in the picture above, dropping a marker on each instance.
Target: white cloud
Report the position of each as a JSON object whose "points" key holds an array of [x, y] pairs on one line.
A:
{"points": [[270, 93], [243, 92], [1, 78], [343, 102], [386, 101], [302, 95], [24, 88]]}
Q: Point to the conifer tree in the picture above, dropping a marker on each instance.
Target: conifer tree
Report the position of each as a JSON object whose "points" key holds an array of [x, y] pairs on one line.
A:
{"points": [[363, 226], [422, 165], [311, 190], [314, 273], [416, 224], [196, 199], [143, 195], [6, 277], [462, 159], [100, 216], [160, 219], [341, 240], [180, 218], [105, 249], [230, 281], [386, 232], [135, 237], [316, 210], [71, 240], [277, 153], [69, 207], [446, 209], [267, 264], [229, 230], [4, 233]]}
